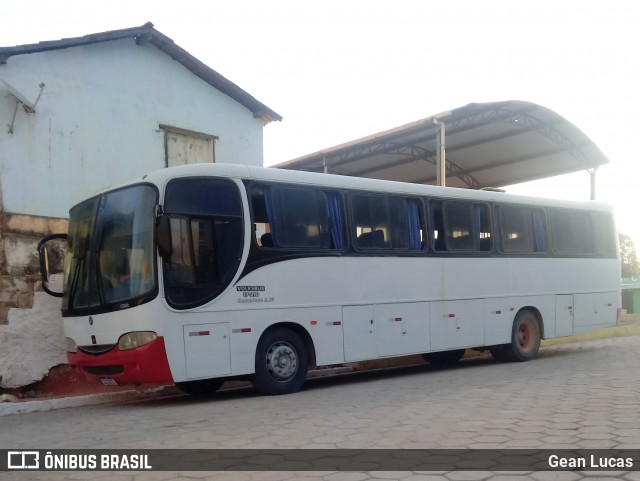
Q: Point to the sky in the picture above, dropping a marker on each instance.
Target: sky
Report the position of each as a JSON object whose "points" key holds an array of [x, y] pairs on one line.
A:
{"points": [[340, 70]]}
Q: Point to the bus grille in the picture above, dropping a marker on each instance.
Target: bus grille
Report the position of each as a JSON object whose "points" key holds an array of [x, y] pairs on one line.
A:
{"points": [[95, 350]]}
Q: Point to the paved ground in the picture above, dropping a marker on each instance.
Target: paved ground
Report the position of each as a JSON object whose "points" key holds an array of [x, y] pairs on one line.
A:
{"points": [[579, 395]]}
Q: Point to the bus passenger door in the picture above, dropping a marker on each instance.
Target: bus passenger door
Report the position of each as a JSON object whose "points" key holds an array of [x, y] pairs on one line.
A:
{"points": [[564, 315], [359, 338], [206, 350]]}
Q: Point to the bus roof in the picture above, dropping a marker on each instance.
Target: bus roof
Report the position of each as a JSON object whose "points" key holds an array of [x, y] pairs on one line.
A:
{"points": [[163, 176]]}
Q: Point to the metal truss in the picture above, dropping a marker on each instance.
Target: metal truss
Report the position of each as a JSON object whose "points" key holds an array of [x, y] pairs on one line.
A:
{"points": [[408, 152], [520, 118], [460, 120]]}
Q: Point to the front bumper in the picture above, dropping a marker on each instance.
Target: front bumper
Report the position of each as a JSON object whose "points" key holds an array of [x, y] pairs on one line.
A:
{"points": [[144, 364]]}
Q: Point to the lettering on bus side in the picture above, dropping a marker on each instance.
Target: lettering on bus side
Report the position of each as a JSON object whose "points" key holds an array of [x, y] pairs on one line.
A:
{"points": [[252, 294], [250, 288]]}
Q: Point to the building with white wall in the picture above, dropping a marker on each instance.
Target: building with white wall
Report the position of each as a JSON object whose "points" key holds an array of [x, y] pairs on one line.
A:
{"points": [[105, 107], [84, 114]]}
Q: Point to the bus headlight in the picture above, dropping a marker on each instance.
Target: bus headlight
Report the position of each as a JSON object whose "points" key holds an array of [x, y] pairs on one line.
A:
{"points": [[131, 340], [70, 345]]}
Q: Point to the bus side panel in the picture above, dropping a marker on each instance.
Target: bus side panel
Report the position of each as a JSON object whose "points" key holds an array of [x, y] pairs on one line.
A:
{"points": [[401, 329], [359, 337], [564, 316], [207, 350], [595, 310], [501, 312], [324, 325], [247, 327], [198, 344], [456, 324], [498, 321], [545, 305]]}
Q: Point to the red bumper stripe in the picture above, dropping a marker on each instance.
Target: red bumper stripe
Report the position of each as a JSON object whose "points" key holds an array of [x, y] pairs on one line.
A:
{"points": [[147, 363]]}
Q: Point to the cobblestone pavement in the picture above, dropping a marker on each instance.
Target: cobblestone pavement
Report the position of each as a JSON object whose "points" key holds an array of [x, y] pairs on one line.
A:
{"points": [[579, 395]]}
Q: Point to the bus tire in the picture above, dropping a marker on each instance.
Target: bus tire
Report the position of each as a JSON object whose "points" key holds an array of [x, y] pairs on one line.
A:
{"points": [[525, 338], [281, 362], [201, 387], [444, 357]]}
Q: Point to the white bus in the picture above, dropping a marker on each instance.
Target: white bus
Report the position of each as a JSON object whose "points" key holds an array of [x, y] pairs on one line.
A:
{"points": [[202, 273]]}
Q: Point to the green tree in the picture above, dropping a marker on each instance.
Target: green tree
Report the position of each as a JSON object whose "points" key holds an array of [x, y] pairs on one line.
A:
{"points": [[628, 256]]}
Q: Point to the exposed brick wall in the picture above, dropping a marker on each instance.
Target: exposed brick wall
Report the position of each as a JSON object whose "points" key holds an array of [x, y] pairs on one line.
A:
{"points": [[19, 264]]}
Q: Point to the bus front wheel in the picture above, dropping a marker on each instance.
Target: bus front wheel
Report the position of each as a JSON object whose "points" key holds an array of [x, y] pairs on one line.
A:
{"points": [[525, 338], [281, 362]]}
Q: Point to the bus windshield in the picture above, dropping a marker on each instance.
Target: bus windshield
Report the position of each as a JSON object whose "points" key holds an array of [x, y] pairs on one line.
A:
{"points": [[110, 251]]}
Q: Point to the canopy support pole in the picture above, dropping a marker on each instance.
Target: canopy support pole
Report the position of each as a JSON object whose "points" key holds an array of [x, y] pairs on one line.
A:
{"points": [[440, 153], [592, 174]]}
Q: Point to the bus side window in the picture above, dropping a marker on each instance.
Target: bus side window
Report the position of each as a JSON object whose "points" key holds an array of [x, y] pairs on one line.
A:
{"points": [[522, 229], [300, 218], [459, 226], [261, 225], [415, 223], [371, 239], [604, 234], [286, 217], [181, 270], [516, 229], [206, 236], [336, 220], [381, 223], [571, 232], [437, 225], [483, 227]]}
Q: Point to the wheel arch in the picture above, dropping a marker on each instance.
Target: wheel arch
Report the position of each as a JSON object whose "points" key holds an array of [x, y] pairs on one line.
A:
{"points": [[301, 332]]}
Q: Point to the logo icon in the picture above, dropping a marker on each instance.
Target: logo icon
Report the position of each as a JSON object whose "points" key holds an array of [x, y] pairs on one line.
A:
{"points": [[23, 460]]}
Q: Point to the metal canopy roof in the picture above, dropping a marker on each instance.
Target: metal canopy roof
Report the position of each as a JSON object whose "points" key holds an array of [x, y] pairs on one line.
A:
{"points": [[487, 145]]}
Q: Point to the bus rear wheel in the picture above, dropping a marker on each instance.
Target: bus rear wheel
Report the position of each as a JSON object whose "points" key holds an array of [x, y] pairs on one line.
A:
{"points": [[525, 338], [201, 387], [281, 362]]}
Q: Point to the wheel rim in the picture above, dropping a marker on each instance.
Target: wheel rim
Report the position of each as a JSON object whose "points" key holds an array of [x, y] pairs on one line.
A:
{"points": [[526, 335], [282, 361]]}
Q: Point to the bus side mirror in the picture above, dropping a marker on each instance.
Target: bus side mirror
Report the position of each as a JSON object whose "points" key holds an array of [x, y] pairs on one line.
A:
{"points": [[43, 254], [163, 237]]}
